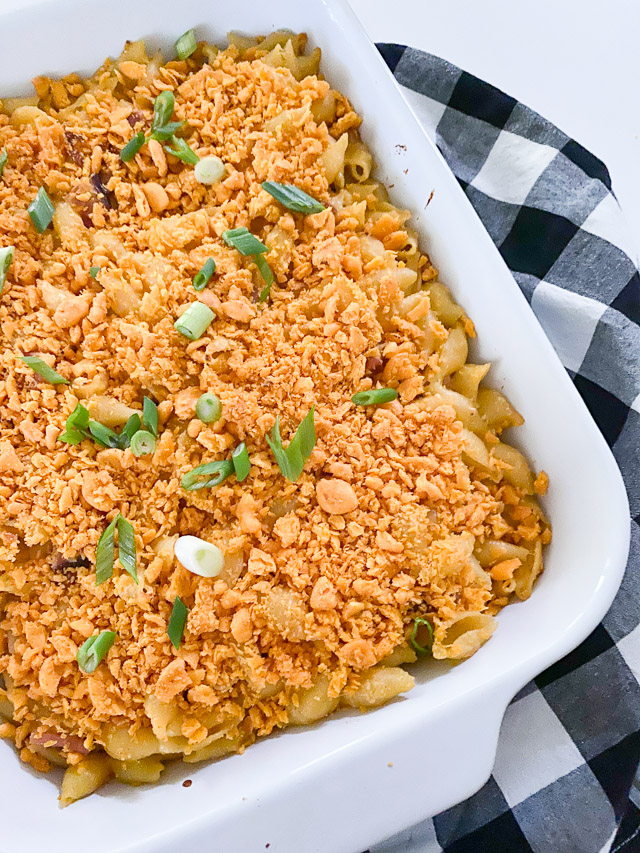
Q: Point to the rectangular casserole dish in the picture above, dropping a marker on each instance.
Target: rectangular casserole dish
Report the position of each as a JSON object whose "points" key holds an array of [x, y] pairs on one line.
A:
{"points": [[356, 778]]}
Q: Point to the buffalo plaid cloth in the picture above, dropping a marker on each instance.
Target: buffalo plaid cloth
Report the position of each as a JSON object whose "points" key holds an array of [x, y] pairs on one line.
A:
{"points": [[569, 786]]}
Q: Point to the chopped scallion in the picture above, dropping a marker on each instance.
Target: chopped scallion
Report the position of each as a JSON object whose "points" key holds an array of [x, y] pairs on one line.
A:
{"points": [[182, 151], [418, 647], [129, 430], [77, 426], [104, 435], [241, 462], [186, 44], [201, 280], [142, 443], [93, 272], [209, 170], [248, 244], [132, 147], [267, 275], [6, 259], [150, 416], [177, 622], [244, 241], [375, 397], [105, 552], [163, 107], [80, 426], [127, 547], [41, 210], [42, 369], [93, 650], [293, 198], [291, 459], [163, 134], [195, 320], [208, 408], [199, 556], [3, 160], [200, 477]]}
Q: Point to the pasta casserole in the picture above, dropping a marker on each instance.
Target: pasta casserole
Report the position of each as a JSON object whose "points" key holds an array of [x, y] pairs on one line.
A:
{"points": [[247, 472]]}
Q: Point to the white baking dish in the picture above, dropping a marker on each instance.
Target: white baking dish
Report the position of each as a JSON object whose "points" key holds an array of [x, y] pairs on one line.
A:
{"points": [[355, 779]]}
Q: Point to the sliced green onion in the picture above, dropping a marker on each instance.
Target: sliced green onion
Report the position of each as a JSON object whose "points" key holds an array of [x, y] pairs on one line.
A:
{"points": [[142, 443], [177, 622], [163, 107], [195, 320], [267, 275], [41, 210], [199, 556], [201, 280], [186, 44], [210, 170], [200, 477], [413, 641], [105, 553], [244, 241], [163, 134], [132, 147], [208, 408], [241, 462], [127, 547], [6, 259], [129, 430], [292, 198], [3, 160], [150, 416], [291, 459], [93, 272], [375, 397], [77, 426], [182, 151], [104, 435], [42, 369], [248, 244], [93, 651]]}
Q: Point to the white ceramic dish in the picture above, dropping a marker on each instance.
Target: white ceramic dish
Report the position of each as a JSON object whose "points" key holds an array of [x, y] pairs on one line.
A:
{"points": [[355, 779]]}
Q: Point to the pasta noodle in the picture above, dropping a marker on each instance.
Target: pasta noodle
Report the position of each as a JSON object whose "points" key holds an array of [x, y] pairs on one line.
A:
{"points": [[463, 636], [358, 161], [146, 771], [497, 410], [333, 158], [313, 704], [379, 686], [516, 471], [466, 381], [84, 778], [442, 303]]}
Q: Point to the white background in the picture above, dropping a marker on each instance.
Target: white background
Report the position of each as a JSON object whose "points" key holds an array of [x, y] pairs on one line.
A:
{"points": [[576, 62]]}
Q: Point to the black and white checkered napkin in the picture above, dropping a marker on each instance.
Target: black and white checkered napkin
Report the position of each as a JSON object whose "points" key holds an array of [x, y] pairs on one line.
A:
{"points": [[569, 748]]}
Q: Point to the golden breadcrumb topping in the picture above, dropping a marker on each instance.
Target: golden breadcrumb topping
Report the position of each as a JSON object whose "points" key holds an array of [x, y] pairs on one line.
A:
{"points": [[323, 577]]}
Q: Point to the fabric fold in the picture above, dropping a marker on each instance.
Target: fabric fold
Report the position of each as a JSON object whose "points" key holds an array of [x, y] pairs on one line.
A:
{"points": [[565, 774]]}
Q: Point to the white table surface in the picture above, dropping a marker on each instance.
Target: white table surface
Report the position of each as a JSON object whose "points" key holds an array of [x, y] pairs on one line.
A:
{"points": [[573, 61]]}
